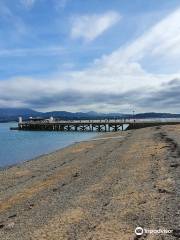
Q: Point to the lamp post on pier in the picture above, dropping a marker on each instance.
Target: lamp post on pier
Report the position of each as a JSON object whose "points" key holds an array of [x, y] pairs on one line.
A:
{"points": [[133, 115]]}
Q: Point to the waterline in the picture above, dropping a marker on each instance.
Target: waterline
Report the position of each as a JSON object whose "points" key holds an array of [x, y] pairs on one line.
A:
{"points": [[19, 146]]}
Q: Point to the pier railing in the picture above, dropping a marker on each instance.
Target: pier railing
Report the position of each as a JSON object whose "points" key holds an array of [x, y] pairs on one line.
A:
{"points": [[72, 125], [107, 125]]}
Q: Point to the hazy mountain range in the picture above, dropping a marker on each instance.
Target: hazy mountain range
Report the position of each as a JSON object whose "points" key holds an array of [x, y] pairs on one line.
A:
{"points": [[12, 114]]}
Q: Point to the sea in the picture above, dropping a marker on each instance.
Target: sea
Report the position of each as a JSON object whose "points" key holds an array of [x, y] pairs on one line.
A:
{"points": [[19, 146]]}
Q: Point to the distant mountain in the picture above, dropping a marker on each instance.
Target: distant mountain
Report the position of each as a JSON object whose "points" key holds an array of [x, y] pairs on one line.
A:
{"points": [[81, 115], [92, 113], [66, 115], [12, 114], [16, 111], [156, 115]]}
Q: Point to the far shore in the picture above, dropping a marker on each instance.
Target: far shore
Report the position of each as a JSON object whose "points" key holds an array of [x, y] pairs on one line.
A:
{"points": [[95, 189]]}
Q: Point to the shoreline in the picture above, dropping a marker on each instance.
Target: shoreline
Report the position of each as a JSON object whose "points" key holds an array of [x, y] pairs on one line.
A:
{"points": [[95, 138], [44, 154], [36, 158], [95, 189]]}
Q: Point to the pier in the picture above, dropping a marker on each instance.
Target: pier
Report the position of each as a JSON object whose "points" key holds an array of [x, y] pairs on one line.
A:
{"points": [[87, 125], [79, 126]]}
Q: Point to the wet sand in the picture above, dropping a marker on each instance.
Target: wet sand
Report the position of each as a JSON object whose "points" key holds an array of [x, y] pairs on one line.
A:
{"points": [[96, 190]]}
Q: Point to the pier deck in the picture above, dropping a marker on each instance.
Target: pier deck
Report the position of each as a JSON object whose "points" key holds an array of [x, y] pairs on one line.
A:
{"points": [[89, 125]]}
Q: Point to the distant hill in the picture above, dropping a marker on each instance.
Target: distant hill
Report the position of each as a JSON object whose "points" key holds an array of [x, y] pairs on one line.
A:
{"points": [[156, 115], [12, 114], [66, 115], [16, 111]]}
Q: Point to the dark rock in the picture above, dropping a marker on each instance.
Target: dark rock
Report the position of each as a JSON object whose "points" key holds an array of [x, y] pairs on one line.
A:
{"points": [[55, 189], [174, 165], [162, 190], [30, 206], [136, 237], [76, 174], [143, 202], [1, 225], [176, 233], [12, 216], [106, 204]]}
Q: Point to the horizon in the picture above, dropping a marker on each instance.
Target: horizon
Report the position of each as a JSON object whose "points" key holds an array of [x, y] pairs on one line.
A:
{"points": [[88, 112], [53, 57]]}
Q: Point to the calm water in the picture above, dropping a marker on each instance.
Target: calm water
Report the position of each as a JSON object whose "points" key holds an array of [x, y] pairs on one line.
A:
{"points": [[18, 146]]}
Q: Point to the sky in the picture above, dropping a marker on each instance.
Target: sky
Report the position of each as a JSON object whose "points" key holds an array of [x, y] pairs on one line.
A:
{"points": [[94, 55]]}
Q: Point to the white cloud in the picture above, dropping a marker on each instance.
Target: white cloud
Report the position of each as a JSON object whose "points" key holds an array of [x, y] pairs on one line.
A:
{"points": [[162, 40], [21, 52], [120, 73], [90, 27], [122, 70]]}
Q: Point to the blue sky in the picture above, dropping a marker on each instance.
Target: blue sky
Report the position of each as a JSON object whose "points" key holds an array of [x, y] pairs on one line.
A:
{"points": [[90, 55]]}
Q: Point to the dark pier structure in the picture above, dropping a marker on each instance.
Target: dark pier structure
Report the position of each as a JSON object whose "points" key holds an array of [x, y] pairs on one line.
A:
{"points": [[81, 126], [87, 125]]}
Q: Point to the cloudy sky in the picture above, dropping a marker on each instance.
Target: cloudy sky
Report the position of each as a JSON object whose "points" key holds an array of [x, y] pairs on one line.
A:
{"points": [[100, 55]]}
